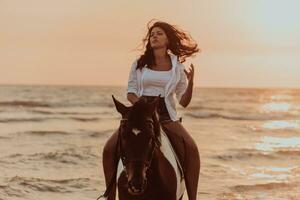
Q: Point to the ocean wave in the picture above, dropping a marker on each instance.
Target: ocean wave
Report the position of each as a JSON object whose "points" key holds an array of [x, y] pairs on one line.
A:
{"points": [[203, 107], [42, 119], [63, 113], [67, 156], [8, 191], [24, 103], [244, 154], [16, 155], [49, 185], [63, 133], [13, 120], [265, 186], [55, 104], [43, 133], [288, 152], [208, 115], [4, 137], [81, 119]]}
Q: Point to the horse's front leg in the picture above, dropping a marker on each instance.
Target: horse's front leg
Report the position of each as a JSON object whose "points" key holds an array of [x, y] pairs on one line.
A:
{"points": [[166, 177]]}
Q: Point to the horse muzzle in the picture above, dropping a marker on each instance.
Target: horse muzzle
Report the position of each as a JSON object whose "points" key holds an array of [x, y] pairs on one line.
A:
{"points": [[137, 189]]}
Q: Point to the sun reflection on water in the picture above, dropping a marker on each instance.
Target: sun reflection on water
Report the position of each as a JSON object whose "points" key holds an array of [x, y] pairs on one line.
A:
{"points": [[270, 176], [282, 113], [282, 124], [276, 107], [277, 103], [271, 172], [281, 97], [269, 143]]}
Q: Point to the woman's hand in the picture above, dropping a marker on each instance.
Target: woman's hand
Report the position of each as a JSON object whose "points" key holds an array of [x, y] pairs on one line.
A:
{"points": [[187, 96], [132, 98], [190, 74]]}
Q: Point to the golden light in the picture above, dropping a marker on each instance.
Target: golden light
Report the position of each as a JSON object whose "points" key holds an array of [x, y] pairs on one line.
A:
{"points": [[276, 107], [268, 143], [280, 97], [274, 173], [281, 124]]}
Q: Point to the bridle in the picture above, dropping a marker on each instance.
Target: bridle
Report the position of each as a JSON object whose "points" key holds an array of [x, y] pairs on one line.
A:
{"points": [[126, 161], [120, 153]]}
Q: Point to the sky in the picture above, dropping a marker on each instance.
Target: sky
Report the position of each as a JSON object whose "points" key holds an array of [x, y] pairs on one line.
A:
{"points": [[244, 43]]}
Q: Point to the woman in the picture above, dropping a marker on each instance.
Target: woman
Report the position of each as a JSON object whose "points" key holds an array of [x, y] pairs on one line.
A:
{"points": [[159, 72]]}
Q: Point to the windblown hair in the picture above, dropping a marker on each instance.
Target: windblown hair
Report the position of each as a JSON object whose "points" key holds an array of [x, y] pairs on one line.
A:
{"points": [[181, 44]]}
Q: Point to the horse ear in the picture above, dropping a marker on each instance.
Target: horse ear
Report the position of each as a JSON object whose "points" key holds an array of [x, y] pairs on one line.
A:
{"points": [[121, 108]]}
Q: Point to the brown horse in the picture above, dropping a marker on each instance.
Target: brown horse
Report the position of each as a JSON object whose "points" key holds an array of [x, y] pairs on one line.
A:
{"points": [[147, 174]]}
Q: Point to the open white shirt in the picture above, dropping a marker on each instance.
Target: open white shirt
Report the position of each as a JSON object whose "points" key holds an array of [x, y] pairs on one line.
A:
{"points": [[177, 84], [154, 82]]}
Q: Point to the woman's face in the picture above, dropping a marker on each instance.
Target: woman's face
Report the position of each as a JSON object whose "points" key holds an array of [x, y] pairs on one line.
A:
{"points": [[158, 38]]}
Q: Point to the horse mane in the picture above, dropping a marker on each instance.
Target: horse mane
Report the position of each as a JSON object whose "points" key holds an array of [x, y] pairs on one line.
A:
{"points": [[157, 128]]}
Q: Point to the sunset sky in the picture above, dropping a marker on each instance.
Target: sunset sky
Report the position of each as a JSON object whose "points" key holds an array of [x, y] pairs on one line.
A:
{"points": [[244, 43]]}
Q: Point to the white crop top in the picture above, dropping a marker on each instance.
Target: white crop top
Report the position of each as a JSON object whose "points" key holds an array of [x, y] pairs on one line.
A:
{"points": [[154, 82]]}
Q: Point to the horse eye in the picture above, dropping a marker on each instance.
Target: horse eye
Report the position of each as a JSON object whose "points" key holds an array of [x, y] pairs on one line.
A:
{"points": [[123, 124], [150, 126], [123, 128]]}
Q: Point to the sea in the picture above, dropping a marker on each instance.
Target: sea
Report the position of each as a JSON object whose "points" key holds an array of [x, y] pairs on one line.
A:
{"points": [[52, 137]]}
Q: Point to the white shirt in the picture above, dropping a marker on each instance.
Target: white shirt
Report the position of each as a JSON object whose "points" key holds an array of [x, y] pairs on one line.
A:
{"points": [[176, 85], [154, 82]]}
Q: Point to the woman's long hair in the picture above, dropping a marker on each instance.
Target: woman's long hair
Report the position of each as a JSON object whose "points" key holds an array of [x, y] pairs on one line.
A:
{"points": [[180, 44]]}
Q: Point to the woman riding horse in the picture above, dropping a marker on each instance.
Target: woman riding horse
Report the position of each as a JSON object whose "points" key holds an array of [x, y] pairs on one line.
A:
{"points": [[159, 71]]}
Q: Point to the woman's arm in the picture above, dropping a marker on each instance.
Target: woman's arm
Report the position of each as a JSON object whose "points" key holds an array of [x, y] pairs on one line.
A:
{"points": [[187, 95], [132, 87]]}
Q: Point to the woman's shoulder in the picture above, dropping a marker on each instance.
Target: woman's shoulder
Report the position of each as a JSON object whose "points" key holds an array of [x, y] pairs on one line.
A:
{"points": [[134, 63], [135, 60], [175, 60]]}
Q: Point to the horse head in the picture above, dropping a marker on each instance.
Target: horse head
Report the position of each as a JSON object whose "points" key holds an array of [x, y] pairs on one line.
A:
{"points": [[139, 133]]}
